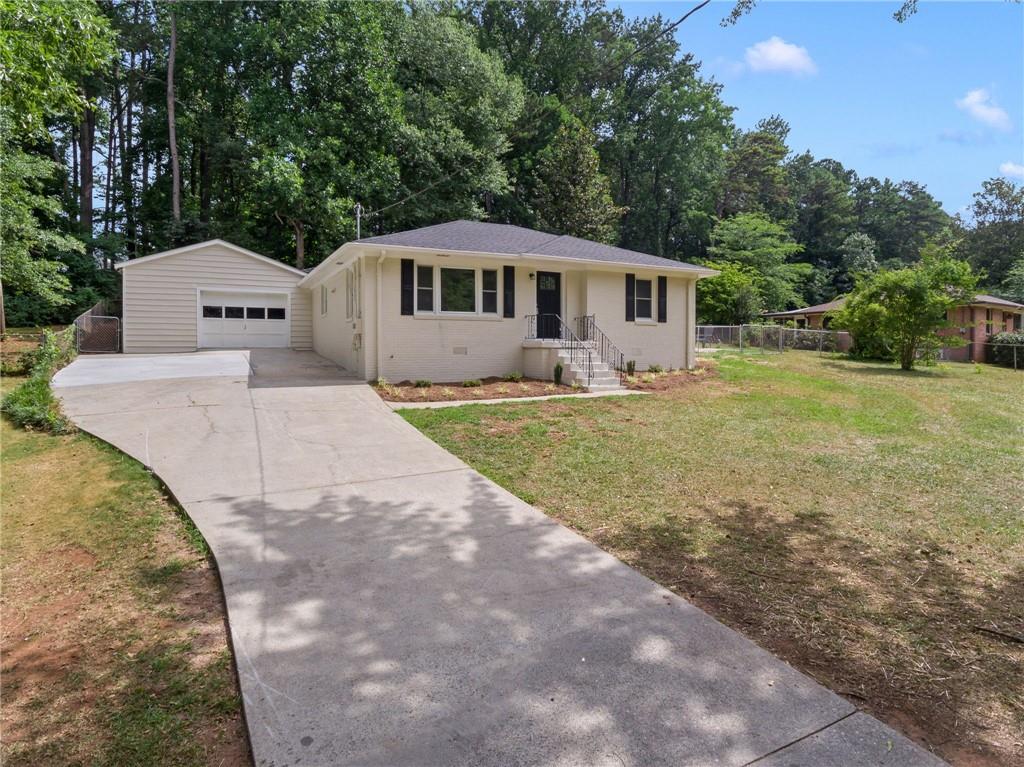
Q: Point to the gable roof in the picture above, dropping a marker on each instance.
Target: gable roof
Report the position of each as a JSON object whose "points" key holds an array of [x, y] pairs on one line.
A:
{"points": [[219, 243], [831, 306], [981, 298]]}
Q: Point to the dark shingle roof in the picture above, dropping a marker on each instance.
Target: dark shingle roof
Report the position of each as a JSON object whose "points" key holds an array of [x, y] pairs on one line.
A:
{"points": [[480, 237]]}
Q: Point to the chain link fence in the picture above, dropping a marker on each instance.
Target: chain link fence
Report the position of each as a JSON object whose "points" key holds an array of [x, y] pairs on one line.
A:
{"points": [[771, 338], [98, 330]]}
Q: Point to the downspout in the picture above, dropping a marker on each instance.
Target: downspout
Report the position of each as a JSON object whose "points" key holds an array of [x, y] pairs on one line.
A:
{"points": [[379, 311]]}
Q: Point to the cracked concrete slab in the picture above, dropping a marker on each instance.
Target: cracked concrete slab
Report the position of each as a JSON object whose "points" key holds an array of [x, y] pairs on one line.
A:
{"points": [[388, 605]]}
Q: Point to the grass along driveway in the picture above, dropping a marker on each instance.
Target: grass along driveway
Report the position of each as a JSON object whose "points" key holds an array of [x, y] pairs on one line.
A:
{"points": [[862, 523], [114, 643]]}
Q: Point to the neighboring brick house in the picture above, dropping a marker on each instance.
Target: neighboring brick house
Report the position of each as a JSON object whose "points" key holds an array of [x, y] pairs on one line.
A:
{"points": [[979, 320], [974, 322], [809, 316]]}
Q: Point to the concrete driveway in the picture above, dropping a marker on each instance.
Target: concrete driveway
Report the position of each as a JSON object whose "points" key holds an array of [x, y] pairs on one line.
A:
{"points": [[388, 605]]}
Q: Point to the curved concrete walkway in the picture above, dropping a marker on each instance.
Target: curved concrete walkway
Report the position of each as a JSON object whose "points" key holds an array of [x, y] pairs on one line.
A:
{"points": [[388, 605]]}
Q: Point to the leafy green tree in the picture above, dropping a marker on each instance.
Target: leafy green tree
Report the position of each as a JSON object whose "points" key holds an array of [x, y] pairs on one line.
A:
{"points": [[45, 50], [732, 297], [1013, 284], [901, 218], [996, 240], [756, 180], [857, 259], [753, 240], [899, 313], [459, 105], [572, 195], [322, 112], [820, 191]]}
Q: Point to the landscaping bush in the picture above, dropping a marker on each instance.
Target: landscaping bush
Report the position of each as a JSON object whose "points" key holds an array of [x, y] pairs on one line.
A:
{"points": [[514, 377], [423, 383], [1001, 347], [32, 404], [630, 367], [472, 382], [655, 369], [558, 373]]}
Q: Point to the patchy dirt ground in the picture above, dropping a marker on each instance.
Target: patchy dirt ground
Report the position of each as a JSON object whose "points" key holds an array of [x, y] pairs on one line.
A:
{"points": [[489, 388], [114, 642]]}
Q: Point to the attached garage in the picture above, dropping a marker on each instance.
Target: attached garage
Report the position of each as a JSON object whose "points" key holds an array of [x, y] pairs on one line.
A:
{"points": [[213, 295]]}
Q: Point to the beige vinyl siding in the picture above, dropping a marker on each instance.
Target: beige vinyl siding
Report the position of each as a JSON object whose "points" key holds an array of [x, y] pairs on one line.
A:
{"points": [[160, 296]]}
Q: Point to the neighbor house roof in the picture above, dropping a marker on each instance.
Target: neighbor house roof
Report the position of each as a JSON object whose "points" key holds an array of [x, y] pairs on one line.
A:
{"points": [[219, 243], [831, 306], [983, 299], [508, 240]]}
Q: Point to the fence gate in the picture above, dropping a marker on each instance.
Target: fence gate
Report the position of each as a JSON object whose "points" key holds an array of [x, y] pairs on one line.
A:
{"points": [[98, 333]]}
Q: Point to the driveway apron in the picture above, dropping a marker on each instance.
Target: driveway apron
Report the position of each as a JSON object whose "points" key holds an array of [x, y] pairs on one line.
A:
{"points": [[388, 605]]}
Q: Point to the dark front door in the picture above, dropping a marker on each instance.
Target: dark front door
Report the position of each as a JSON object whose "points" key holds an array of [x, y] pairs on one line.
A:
{"points": [[549, 304]]}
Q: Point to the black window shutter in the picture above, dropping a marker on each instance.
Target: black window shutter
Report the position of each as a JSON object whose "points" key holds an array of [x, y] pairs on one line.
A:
{"points": [[407, 286], [508, 282], [630, 297], [663, 299]]}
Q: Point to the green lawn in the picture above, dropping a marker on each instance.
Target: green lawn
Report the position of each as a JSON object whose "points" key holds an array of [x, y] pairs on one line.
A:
{"points": [[113, 633], [863, 523]]}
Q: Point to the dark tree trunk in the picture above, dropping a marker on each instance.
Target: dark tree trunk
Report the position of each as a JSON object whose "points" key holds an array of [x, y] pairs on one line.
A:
{"points": [[172, 138], [300, 243], [204, 184], [87, 134]]}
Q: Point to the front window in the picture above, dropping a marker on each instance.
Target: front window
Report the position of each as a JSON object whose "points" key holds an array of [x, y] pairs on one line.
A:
{"points": [[643, 300], [489, 294], [988, 321], [458, 288], [424, 288]]}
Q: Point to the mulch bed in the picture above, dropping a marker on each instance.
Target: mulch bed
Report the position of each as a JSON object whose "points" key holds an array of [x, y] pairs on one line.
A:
{"points": [[670, 380], [489, 388]]}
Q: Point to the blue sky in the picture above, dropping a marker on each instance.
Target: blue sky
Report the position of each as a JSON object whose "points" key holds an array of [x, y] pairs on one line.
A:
{"points": [[937, 99]]}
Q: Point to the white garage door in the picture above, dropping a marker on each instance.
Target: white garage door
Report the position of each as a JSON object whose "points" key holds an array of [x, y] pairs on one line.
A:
{"points": [[243, 320]]}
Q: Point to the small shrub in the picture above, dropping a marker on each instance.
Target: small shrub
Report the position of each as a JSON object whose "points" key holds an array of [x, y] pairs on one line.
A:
{"points": [[423, 383], [514, 377], [502, 389], [32, 404], [655, 369], [472, 382], [576, 386], [524, 387], [1001, 348], [550, 387], [648, 378], [448, 392], [558, 373], [630, 367]]}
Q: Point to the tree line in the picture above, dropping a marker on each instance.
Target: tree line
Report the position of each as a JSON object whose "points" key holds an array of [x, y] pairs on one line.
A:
{"points": [[133, 126]]}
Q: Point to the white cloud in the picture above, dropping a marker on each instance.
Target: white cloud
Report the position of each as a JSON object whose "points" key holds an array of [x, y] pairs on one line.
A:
{"points": [[1012, 169], [776, 55], [979, 105]]}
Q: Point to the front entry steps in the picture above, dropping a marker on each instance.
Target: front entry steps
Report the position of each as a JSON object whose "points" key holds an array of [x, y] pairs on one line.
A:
{"points": [[603, 379]]}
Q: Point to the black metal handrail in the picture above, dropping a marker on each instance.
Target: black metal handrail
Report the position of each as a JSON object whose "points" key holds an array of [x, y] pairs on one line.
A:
{"points": [[607, 352], [550, 327]]}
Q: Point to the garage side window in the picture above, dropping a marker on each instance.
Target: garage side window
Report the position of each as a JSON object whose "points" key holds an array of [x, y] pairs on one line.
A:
{"points": [[323, 299]]}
